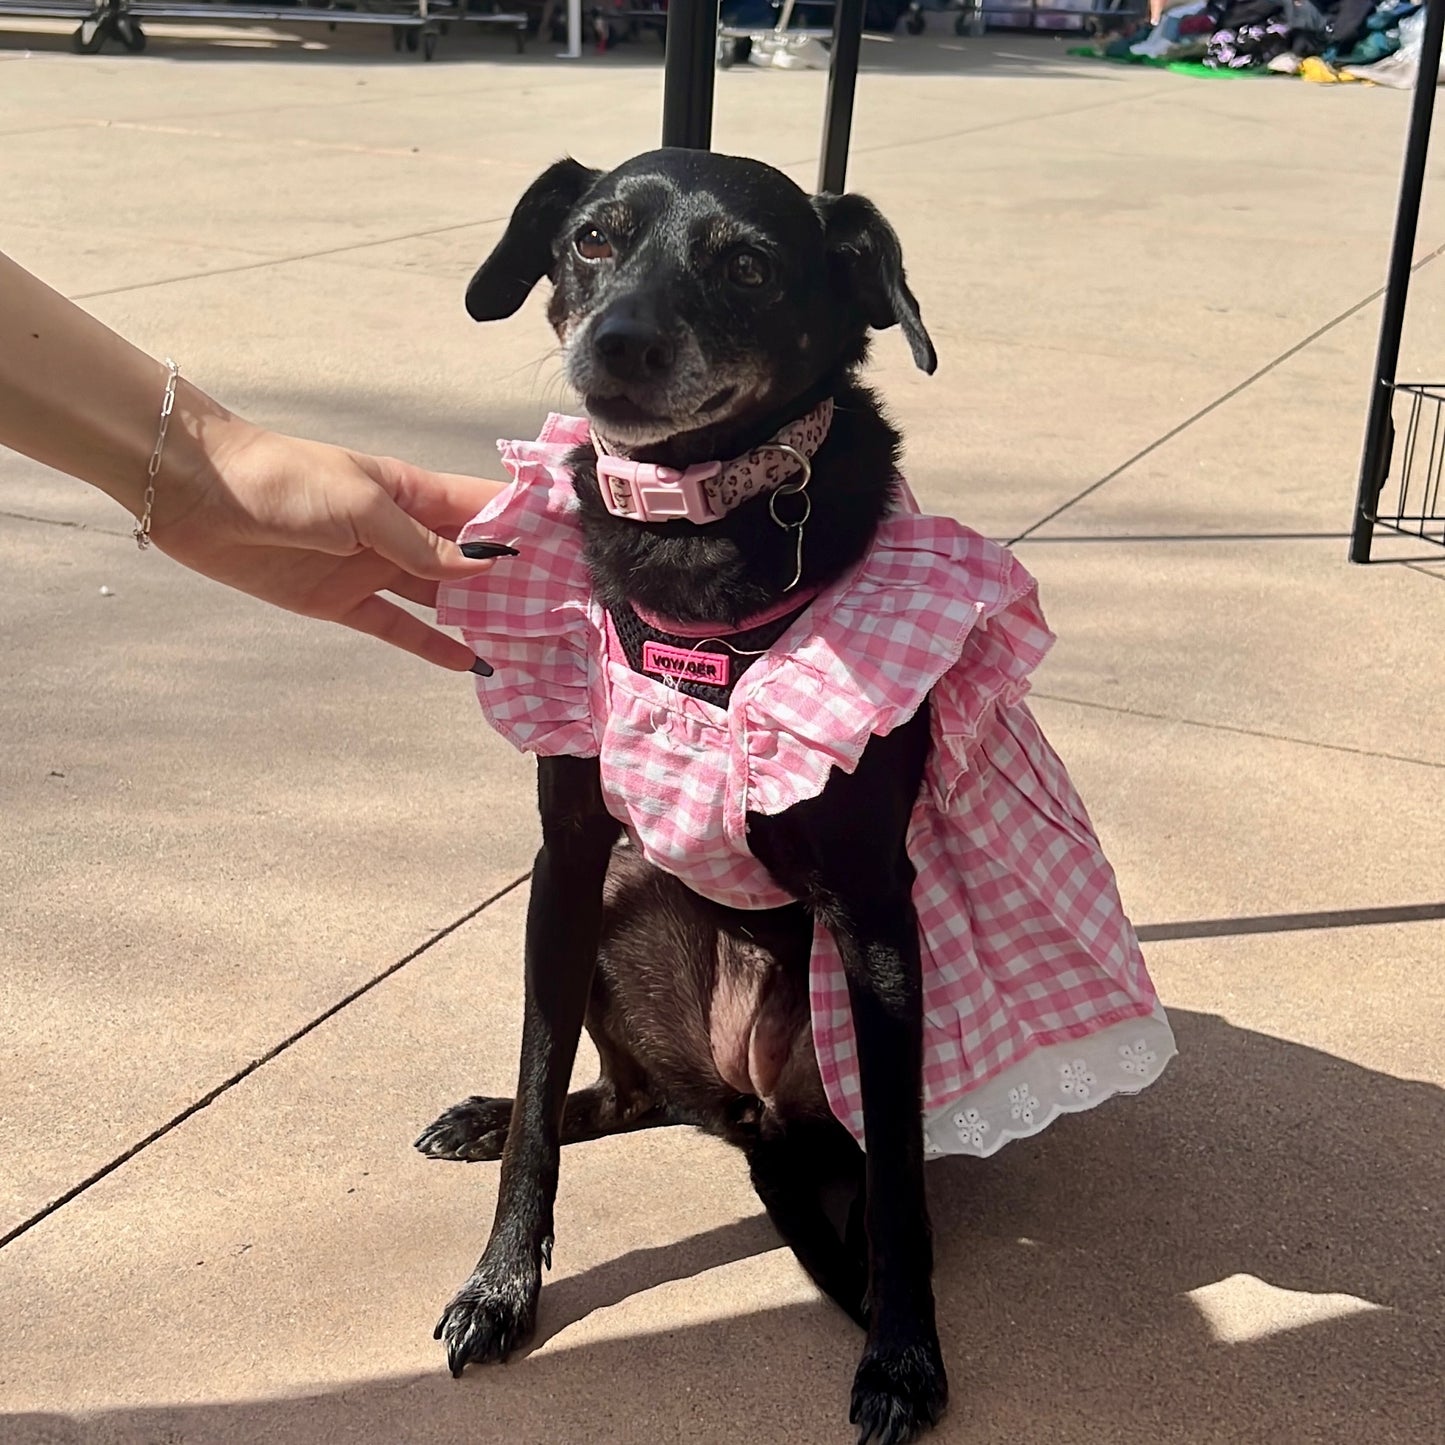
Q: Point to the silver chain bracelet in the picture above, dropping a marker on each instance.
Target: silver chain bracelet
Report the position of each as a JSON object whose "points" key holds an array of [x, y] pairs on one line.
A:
{"points": [[142, 532]]}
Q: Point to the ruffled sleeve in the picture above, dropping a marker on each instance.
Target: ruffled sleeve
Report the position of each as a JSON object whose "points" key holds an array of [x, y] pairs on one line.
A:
{"points": [[532, 616], [936, 608]]}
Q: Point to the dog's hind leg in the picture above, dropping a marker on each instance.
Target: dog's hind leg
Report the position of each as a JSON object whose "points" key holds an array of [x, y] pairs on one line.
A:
{"points": [[621, 1100], [476, 1129], [792, 1172]]}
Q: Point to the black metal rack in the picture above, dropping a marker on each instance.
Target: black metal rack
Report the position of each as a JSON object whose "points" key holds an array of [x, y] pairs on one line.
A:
{"points": [[1415, 506], [687, 87]]}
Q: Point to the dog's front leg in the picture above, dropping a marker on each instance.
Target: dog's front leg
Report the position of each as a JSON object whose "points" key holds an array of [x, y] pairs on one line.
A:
{"points": [[496, 1308], [900, 1386], [845, 853]]}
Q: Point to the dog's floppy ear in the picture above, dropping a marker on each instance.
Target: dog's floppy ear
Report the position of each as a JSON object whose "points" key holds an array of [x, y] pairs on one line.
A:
{"points": [[524, 254], [864, 251]]}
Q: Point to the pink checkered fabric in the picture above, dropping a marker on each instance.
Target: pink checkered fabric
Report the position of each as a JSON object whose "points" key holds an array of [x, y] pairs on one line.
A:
{"points": [[1023, 934]]}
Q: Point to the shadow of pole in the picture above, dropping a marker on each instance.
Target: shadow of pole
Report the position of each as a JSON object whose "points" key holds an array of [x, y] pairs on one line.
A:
{"points": [[1290, 922]]}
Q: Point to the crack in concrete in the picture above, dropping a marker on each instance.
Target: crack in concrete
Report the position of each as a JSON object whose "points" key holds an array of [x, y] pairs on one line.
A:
{"points": [[287, 260], [1220, 401], [326, 105], [882, 148], [227, 1084], [396, 152], [1219, 727], [59, 522], [990, 125]]}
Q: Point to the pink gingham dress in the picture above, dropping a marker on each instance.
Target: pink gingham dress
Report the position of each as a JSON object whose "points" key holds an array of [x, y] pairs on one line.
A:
{"points": [[1036, 999]]}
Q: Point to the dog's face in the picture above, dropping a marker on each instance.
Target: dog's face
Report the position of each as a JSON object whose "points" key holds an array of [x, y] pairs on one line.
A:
{"points": [[695, 291]]}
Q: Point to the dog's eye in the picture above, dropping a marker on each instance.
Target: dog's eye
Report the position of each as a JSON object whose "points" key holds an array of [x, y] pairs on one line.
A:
{"points": [[749, 269], [592, 245]]}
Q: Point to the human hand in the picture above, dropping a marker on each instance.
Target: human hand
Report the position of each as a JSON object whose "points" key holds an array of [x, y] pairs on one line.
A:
{"points": [[324, 531]]}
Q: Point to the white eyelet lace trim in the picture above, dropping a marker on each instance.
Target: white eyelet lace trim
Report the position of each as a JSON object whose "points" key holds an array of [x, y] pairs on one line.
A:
{"points": [[1058, 1079]]}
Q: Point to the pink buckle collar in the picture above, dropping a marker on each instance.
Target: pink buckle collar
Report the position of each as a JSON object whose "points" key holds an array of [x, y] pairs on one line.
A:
{"points": [[646, 492]]}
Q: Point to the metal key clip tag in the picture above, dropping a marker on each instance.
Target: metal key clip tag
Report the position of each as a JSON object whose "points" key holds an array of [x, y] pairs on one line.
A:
{"points": [[797, 488]]}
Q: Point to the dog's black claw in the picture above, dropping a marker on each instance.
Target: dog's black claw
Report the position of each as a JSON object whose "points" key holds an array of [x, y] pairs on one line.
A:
{"points": [[475, 1129], [484, 551], [547, 1251], [897, 1394], [492, 1314]]}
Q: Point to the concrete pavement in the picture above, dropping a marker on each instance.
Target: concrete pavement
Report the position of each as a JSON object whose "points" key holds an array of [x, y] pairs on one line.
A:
{"points": [[233, 836]]}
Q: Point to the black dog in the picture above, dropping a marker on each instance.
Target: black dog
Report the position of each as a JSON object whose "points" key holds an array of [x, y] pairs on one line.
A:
{"points": [[705, 302]]}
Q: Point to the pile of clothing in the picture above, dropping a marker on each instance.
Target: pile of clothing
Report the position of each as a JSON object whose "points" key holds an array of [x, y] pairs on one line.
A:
{"points": [[1324, 41]]}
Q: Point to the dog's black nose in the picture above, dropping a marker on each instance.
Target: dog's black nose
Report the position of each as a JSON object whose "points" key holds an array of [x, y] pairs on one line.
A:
{"points": [[632, 349]]}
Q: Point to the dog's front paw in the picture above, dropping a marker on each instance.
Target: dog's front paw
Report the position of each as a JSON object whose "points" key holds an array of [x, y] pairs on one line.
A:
{"points": [[898, 1393], [492, 1313], [473, 1130]]}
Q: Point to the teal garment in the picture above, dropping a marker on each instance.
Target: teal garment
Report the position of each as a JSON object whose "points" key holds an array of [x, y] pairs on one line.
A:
{"points": [[1373, 46], [1119, 47], [1387, 17]]}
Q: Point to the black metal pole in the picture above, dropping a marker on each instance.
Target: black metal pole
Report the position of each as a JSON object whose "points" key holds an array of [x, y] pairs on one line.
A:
{"points": [[687, 81], [1380, 430], [842, 82]]}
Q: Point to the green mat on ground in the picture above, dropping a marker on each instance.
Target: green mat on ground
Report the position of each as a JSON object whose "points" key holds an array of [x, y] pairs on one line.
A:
{"points": [[1179, 67]]}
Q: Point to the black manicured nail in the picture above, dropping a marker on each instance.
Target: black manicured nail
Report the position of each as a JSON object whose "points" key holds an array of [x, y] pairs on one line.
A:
{"points": [[482, 668], [483, 551]]}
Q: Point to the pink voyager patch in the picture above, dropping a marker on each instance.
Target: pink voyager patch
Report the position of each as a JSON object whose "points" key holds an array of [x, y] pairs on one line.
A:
{"points": [[685, 666]]}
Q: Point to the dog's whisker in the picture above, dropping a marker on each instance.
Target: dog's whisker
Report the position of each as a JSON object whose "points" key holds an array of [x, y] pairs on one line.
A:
{"points": [[533, 366], [555, 388]]}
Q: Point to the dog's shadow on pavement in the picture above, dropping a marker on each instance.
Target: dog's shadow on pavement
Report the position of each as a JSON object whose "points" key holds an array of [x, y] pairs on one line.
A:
{"points": [[1122, 1277]]}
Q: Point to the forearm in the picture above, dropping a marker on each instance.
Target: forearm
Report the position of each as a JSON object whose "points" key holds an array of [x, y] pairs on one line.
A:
{"points": [[313, 528], [83, 400]]}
